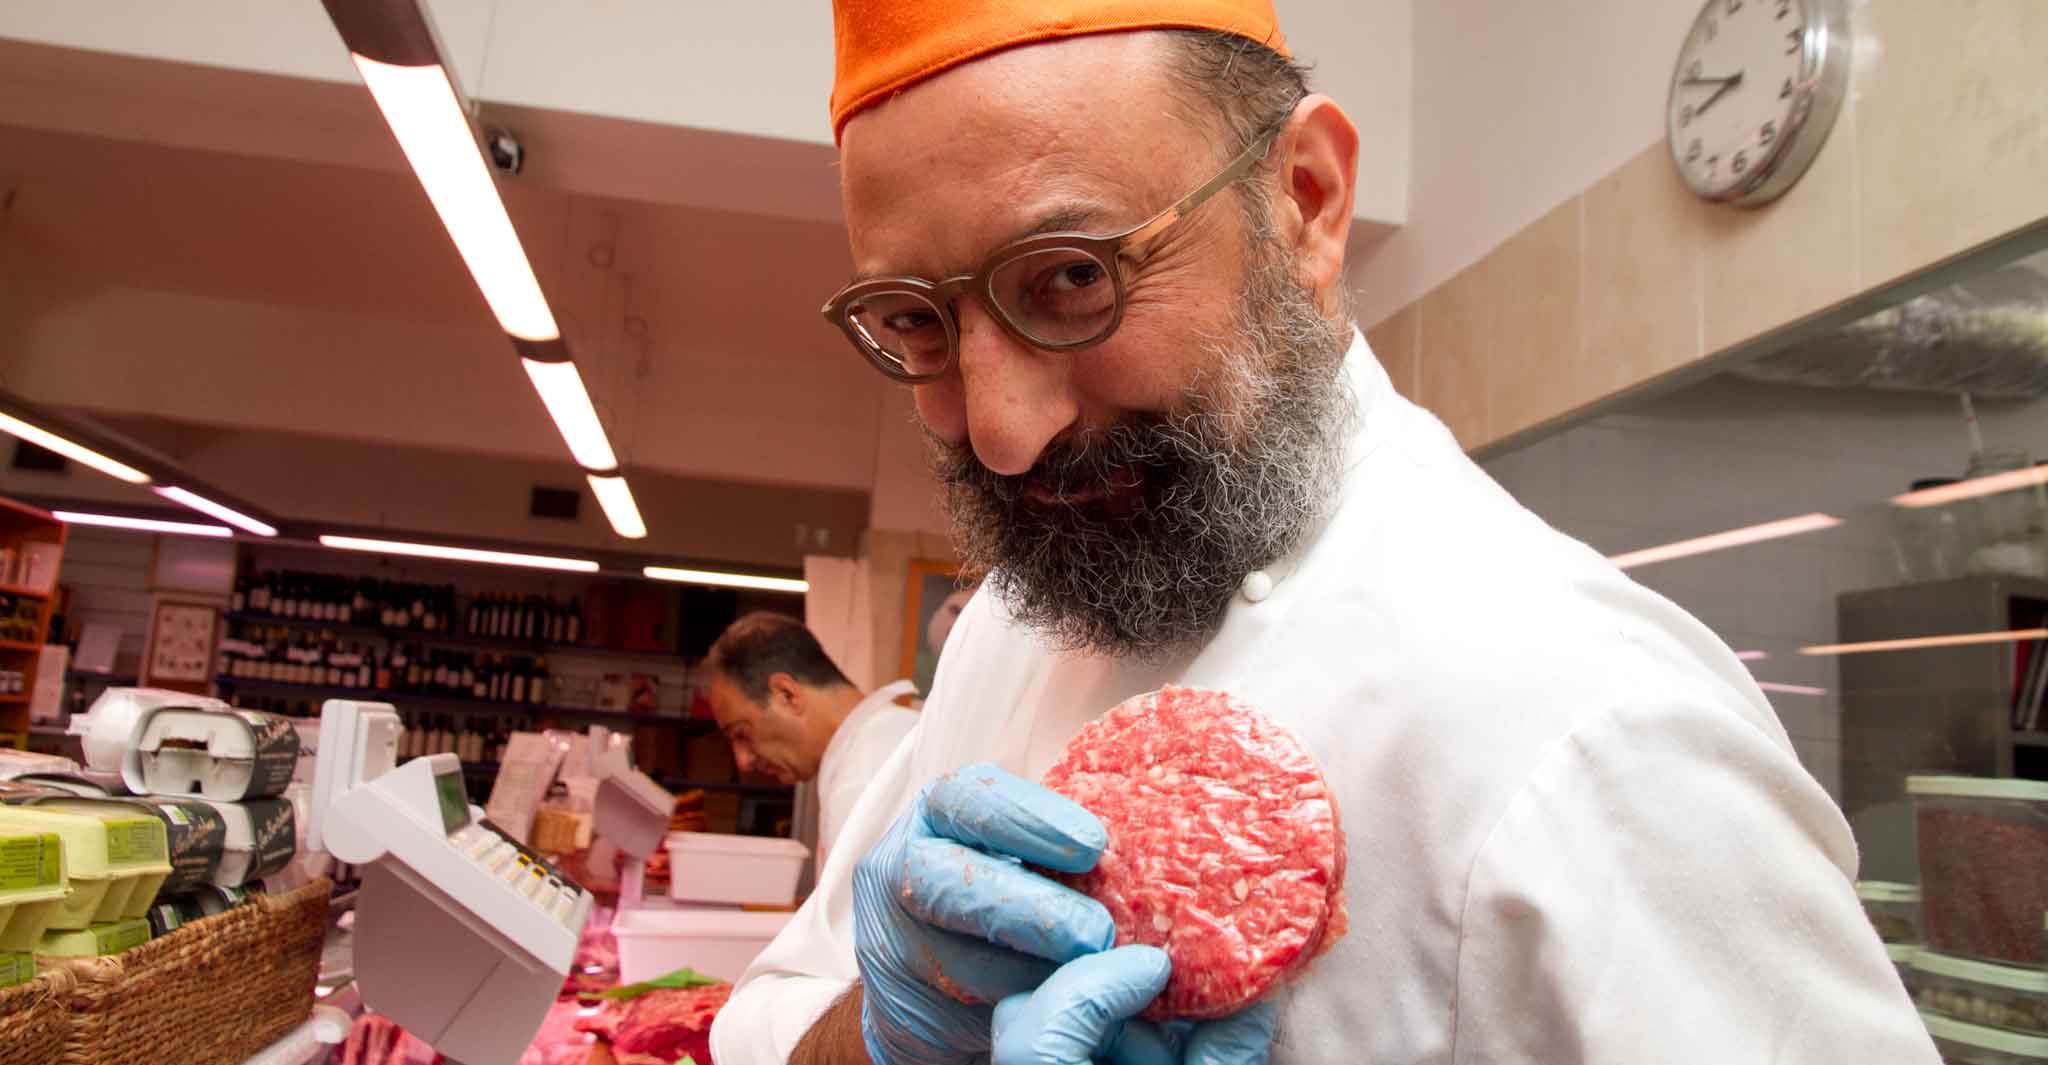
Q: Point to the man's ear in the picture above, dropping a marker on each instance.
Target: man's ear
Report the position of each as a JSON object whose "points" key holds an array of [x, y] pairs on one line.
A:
{"points": [[1318, 174], [789, 691]]}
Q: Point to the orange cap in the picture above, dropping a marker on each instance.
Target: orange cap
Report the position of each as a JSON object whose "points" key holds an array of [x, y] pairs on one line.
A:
{"points": [[884, 46]]}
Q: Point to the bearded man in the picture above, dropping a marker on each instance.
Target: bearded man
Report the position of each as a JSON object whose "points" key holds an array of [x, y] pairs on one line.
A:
{"points": [[1103, 241]]}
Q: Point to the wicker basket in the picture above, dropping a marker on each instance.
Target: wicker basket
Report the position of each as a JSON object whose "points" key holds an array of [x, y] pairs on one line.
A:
{"points": [[213, 992], [34, 1018]]}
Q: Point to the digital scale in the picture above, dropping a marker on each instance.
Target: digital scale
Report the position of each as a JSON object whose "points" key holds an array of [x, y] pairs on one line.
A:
{"points": [[463, 936], [630, 809]]}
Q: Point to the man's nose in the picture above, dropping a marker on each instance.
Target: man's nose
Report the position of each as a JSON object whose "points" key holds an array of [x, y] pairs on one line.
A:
{"points": [[1017, 397], [743, 758]]}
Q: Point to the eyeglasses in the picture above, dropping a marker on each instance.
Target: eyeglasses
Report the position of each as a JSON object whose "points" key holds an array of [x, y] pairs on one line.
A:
{"points": [[1056, 291]]}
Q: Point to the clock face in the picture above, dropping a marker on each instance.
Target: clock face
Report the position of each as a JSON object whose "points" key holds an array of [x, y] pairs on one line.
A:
{"points": [[1757, 85]]}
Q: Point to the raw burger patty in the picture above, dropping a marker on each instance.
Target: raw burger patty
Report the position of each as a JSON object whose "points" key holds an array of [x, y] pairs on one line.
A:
{"points": [[1224, 847]]}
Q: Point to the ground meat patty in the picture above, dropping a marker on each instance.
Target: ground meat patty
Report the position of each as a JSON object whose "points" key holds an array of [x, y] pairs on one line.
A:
{"points": [[1224, 847]]}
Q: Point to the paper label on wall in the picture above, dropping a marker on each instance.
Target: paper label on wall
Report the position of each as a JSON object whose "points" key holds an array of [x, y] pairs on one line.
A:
{"points": [[531, 761]]}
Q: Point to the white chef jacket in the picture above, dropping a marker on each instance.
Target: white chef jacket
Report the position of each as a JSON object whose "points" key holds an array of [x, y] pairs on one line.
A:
{"points": [[864, 741], [1576, 831]]}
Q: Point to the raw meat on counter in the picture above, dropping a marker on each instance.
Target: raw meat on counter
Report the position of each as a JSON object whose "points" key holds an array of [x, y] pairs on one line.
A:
{"points": [[660, 1027], [1224, 846], [560, 1041], [374, 1040]]}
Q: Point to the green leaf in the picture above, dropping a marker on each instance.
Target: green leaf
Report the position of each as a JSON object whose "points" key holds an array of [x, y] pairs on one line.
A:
{"points": [[681, 978], [686, 1060]]}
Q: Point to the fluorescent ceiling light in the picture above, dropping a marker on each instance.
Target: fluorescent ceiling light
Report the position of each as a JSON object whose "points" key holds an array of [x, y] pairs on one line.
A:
{"points": [[616, 498], [561, 388], [49, 441], [1790, 689], [425, 115], [116, 521], [1752, 534], [1751, 656], [212, 509], [1915, 643], [458, 554], [1975, 486], [727, 580]]}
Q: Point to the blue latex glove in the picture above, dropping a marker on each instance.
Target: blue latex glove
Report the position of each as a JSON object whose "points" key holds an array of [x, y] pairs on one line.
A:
{"points": [[942, 907], [1082, 1014]]}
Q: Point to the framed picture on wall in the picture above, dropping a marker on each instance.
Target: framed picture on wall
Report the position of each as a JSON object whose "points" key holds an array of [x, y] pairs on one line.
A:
{"points": [[178, 653], [934, 598]]}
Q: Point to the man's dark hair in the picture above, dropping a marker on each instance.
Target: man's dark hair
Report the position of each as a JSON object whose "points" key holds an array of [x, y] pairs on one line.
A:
{"points": [[1236, 81], [763, 644]]}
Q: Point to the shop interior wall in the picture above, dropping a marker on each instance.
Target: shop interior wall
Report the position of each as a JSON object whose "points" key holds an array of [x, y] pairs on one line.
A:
{"points": [[107, 574], [1728, 453], [1515, 108], [1617, 279]]}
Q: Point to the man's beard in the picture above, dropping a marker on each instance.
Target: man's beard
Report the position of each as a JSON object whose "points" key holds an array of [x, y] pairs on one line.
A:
{"points": [[1228, 483]]}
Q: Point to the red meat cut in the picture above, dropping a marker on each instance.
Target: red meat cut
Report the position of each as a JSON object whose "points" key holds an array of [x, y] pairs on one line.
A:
{"points": [[1224, 844], [662, 1026]]}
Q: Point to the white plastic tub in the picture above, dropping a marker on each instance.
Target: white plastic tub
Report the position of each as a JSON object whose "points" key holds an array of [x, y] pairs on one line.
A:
{"points": [[714, 941], [738, 870]]}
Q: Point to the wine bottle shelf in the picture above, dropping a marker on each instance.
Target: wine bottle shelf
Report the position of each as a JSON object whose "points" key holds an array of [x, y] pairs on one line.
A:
{"points": [[447, 639], [691, 725]]}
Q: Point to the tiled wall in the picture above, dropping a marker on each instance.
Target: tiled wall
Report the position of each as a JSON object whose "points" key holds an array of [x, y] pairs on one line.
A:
{"points": [[1941, 146]]}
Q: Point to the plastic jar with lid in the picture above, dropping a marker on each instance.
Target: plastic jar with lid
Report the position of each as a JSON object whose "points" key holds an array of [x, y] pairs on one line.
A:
{"points": [[1962, 1043], [1983, 858], [2001, 996], [1893, 909]]}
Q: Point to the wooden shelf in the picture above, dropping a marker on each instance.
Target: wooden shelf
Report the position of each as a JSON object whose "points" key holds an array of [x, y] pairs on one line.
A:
{"points": [[19, 645], [483, 706], [22, 591], [452, 639], [17, 697]]}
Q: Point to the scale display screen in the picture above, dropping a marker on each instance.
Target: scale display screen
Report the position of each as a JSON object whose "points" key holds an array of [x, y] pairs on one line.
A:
{"points": [[454, 800]]}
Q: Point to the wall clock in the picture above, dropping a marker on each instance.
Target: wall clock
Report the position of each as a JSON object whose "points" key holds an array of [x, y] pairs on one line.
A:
{"points": [[1758, 86]]}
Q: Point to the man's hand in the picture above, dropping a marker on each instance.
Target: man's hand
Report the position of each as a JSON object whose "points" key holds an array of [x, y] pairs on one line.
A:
{"points": [[947, 921], [1082, 1014]]}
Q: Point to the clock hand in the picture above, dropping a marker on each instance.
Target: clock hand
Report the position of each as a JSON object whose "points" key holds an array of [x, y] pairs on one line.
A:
{"points": [[1698, 80], [1727, 87]]}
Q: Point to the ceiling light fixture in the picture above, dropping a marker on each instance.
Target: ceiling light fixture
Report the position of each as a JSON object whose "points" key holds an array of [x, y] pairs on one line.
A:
{"points": [[561, 390], [1722, 541], [420, 106], [716, 579], [1790, 689], [1915, 643], [214, 510], [616, 498], [117, 521], [458, 554], [395, 49], [1975, 486], [78, 453]]}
